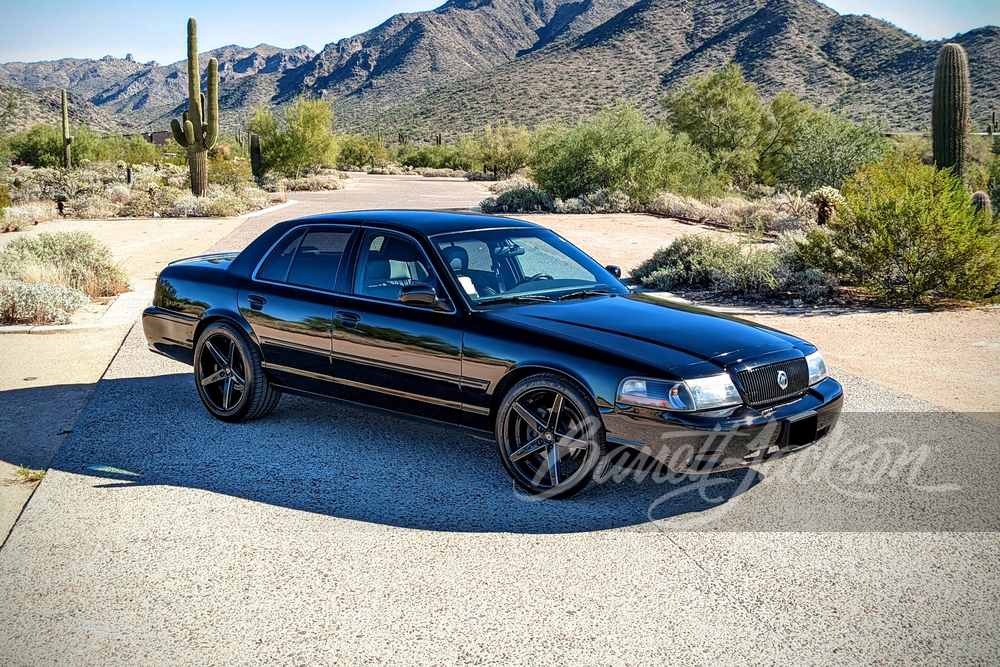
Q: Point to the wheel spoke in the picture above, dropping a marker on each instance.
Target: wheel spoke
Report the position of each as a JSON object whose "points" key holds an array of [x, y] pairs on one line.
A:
{"points": [[237, 378], [227, 390], [529, 449], [571, 443], [213, 378], [554, 414], [533, 422], [552, 456], [232, 352], [219, 359]]}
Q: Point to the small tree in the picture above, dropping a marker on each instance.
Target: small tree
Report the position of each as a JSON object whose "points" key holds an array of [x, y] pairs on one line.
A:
{"points": [[913, 234], [505, 148], [829, 149], [303, 140], [723, 114]]}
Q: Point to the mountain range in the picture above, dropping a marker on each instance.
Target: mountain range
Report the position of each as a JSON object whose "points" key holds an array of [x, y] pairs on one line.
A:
{"points": [[470, 62]]}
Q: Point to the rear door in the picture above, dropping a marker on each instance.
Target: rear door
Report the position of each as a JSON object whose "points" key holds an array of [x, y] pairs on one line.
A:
{"points": [[289, 303], [395, 355]]}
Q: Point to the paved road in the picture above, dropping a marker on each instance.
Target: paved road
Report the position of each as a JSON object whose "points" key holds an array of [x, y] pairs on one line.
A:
{"points": [[325, 535]]}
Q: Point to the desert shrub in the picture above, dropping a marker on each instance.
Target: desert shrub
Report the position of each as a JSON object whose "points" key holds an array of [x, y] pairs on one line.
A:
{"points": [[619, 151], [220, 201], [303, 138], [82, 261], [392, 170], [444, 173], [478, 176], [913, 234], [601, 201], [22, 216], [776, 213], [40, 146], [829, 149], [309, 184], [524, 197], [93, 207], [228, 170], [707, 261], [38, 303], [503, 148], [360, 150], [808, 264], [827, 201]]}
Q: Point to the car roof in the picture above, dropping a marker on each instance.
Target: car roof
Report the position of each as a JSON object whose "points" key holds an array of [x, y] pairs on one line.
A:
{"points": [[425, 223]]}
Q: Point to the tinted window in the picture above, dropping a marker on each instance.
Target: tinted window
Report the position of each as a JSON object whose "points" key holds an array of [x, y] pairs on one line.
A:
{"points": [[276, 266], [318, 259], [389, 262]]}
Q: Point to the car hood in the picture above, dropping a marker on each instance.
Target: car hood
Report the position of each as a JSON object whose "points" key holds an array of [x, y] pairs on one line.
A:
{"points": [[669, 334]]}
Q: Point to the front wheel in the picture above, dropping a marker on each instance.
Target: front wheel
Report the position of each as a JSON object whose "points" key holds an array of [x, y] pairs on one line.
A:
{"points": [[228, 374], [551, 437]]}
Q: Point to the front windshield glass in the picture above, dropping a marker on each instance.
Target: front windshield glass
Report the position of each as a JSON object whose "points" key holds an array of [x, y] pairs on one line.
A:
{"points": [[521, 265]]}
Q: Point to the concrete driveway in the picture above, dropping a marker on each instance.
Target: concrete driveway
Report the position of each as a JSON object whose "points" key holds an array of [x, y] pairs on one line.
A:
{"points": [[327, 535]]}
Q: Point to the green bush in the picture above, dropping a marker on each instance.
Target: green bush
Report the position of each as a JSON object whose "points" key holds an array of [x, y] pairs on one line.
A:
{"points": [[359, 150], [38, 303], [914, 234], [39, 146], [707, 261], [619, 151], [522, 197], [829, 149]]}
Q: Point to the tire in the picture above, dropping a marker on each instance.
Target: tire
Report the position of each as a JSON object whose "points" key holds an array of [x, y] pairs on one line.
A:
{"points": [[229, 376], [548, 413]]}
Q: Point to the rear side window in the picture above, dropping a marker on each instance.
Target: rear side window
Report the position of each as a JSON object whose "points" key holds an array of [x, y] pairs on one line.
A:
{"points": [[275, 268], [318, 258]]}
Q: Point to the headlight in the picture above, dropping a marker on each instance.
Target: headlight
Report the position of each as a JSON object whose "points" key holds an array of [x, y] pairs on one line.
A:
{"points": [[817, 368], [717, 391]]}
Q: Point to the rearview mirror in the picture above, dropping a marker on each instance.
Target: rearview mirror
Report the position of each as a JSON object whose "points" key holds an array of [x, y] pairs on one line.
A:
{"points": [[419, 294], [616, 271]]}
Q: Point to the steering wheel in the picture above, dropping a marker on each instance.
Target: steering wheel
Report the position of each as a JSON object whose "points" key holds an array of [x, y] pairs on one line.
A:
{"points": [[539, 276]]}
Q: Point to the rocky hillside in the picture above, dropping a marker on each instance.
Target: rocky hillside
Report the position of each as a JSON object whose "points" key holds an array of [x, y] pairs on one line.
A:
{"points": [[470, 62], [30, 107]]}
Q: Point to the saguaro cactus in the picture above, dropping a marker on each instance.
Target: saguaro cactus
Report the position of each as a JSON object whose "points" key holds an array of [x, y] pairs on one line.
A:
{"points": [[200, 127], [950, 109], [256, 165], [981, 202], [67, 139]]}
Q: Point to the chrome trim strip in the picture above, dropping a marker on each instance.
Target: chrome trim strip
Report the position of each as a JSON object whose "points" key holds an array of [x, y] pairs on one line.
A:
{"points": [[298, 347], [296, 371], [399, 393], [402, 368]]}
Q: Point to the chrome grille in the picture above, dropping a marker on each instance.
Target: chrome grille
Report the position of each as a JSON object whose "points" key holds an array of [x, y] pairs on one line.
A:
{"points": [[760, 384]]}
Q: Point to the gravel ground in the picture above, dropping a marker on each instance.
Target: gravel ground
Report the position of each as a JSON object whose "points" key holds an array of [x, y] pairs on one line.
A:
{"points": [[327, 535]]}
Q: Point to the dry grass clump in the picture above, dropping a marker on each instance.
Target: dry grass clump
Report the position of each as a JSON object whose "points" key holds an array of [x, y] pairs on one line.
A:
{"points": [[775, 213], [72, 259], [442, 173], [23, 216]]}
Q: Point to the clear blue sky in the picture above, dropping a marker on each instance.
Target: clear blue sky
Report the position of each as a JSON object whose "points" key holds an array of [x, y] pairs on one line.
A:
{"points": [[153, 30]]}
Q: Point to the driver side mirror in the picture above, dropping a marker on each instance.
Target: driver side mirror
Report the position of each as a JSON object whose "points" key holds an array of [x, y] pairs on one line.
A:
{"points": [[419, 294], [616, 271]]}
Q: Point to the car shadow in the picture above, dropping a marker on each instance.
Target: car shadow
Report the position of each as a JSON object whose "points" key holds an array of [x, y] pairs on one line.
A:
{"points": [[341, 461]]}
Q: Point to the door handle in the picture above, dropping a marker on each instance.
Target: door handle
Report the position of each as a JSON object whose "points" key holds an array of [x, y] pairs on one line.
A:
{"points": [[348, 320], [256, 302]]}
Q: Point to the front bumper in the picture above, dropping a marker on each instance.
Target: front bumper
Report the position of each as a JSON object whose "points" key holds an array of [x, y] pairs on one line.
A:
{"points": [[718, 440]]}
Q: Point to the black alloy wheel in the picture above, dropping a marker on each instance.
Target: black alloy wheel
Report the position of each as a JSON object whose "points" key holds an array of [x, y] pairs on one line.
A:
{"points": [[228, 374], [551, 437]]}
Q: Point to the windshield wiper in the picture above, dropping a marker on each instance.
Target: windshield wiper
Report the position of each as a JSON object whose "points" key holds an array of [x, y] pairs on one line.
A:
{"points": [[582, 294], [521, 298]]}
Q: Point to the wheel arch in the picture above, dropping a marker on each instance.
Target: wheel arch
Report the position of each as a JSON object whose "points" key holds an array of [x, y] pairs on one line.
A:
{"points": [[518, 373], [212, 316]]}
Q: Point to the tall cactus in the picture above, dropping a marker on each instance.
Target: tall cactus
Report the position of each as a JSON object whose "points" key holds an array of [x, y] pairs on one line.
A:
{"points": [[256, 163], [67, 139], [950, 109], [200, 127]]}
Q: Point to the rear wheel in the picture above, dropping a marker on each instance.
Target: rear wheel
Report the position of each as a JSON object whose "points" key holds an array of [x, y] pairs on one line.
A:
{"points": [[551, 437], [228, 374]]}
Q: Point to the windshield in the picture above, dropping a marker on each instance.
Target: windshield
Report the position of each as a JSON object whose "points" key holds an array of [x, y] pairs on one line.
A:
{"points": [[510, 265]]}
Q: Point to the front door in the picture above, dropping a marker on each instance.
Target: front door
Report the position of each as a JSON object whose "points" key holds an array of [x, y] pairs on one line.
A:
{"points": [[289, 303], [390, 354]]}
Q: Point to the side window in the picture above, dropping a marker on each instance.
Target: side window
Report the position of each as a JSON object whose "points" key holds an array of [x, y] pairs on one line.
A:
{"points": [[388, 263], [275, 268], [318, 258]]}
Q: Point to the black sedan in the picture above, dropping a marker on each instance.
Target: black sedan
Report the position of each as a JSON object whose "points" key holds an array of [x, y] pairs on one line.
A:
{"points": [[492, 324]]}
